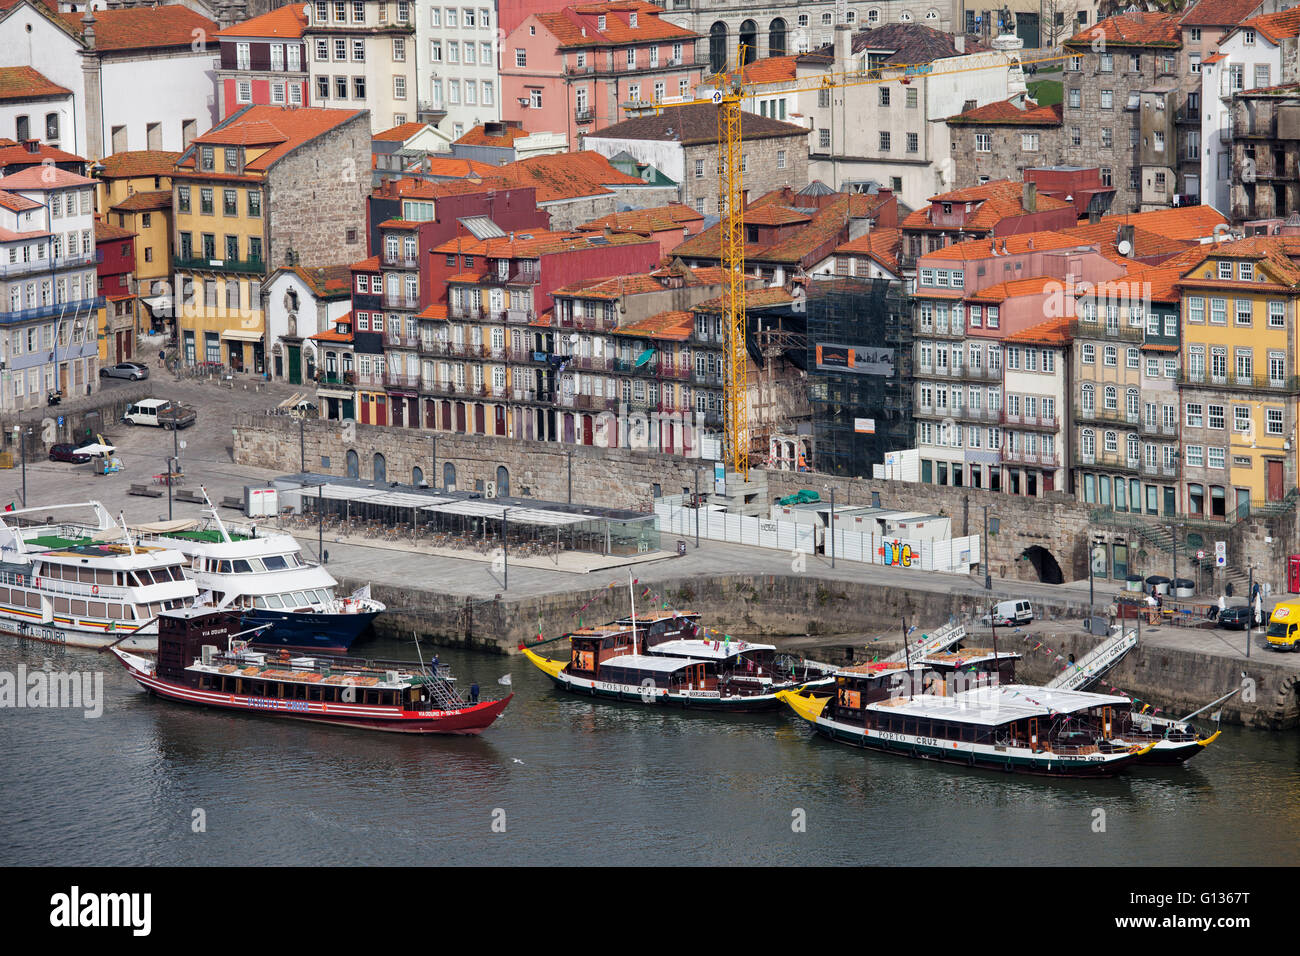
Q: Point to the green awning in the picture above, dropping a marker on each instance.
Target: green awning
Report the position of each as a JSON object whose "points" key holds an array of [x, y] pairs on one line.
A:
{"points": [[644, 357]]}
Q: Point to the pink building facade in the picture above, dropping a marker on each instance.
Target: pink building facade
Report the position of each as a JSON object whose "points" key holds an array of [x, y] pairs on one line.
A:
{"points": [[578, 70]]}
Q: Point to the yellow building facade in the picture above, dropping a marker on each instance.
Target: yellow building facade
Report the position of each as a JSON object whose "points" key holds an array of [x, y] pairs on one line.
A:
{"points": [[1239, 381]]}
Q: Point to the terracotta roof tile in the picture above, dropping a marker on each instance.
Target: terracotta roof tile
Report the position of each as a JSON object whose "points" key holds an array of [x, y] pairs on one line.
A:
{"points": [[23, 82], [645, 221], [139, 162], [281, 129], [17, 203], [150, 201], [1217, 13], [478, 136], [882, 245], [617, 286], [399, 134], [1134, 29], [566, 175], [1276, 27], [14, 154], [107, 232], [770, 69], [1017, 111], [674, 326], [1182, 222], [43, 177], [577, 26], [366, 265], [287, 21], [1051, 332], [998, 200], [754, 299], [326, 282], [693, 124], [143, 28], [530, 245]]}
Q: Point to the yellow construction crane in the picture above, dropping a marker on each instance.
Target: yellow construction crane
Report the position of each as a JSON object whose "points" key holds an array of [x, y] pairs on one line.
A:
{"points": [[728, 96]]}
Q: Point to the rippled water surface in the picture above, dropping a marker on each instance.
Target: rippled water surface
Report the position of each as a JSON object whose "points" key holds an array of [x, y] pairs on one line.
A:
{"points": [[577, 781]]}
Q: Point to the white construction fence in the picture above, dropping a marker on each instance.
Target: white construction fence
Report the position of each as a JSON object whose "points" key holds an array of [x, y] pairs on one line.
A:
{"points": [[953, 555]]}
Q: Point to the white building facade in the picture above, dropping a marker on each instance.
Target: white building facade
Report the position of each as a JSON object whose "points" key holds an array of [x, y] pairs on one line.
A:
{"points": [[458, 65], [363, 55]]}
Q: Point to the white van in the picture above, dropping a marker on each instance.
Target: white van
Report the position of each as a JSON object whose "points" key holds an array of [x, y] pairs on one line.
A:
{"points": [[1007, 613]]}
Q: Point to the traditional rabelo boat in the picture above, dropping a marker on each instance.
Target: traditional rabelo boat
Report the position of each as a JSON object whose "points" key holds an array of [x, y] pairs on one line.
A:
{"points": [[970, 719], [664, 659], [394, 696], [1175, 741]]}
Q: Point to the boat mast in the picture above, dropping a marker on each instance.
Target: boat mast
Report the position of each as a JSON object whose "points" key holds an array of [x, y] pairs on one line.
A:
{"points": [[129, 543], [215, 517], [632, 596], [907, 654]]}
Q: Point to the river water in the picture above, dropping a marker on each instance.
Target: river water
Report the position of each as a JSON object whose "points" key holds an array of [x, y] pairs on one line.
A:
{"points": [[563, 779]]}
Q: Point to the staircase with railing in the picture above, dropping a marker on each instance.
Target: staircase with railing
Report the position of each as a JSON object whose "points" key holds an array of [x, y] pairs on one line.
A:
{"points": [[1097, 661]]}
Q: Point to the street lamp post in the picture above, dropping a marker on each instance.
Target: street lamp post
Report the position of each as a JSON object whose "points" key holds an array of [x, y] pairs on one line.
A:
{"points": [[1250, 610], [832, 523], [171, 470], [697, 506], [22, 440], [988, 571], [302, 443], [505, 548]]}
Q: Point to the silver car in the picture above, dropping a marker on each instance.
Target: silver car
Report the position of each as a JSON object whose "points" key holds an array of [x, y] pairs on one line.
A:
{"points": [[131, 370]]}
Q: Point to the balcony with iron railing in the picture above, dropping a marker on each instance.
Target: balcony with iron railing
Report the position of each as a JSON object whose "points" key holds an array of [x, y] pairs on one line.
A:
{"points": [[408, 302], [65, 309], [981, 373], [212, 264], [400, 380], [705, 378], [401, 262], [583, 116], [1284, 384], [1031, 421], [1019, 456], [592, 322], [401, 340], [472, 313], [526, 355], [591, 363], [1083, 329], [1113, 416], [1106, 459]]}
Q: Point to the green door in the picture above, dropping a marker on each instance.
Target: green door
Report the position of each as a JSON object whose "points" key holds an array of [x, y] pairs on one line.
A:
{"points": [[295, 364], [349, 409]]}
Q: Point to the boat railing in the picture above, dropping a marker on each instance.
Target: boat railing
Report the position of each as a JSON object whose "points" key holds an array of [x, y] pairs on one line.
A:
{"points": [[89, 592]]}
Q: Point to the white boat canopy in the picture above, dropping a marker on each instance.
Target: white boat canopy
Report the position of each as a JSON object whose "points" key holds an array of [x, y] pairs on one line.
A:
{"points": [[95, 449]]}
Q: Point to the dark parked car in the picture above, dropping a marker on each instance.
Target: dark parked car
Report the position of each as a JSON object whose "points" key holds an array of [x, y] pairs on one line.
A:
{"points": [[67, 453], [1236, 618], [131, 370]]}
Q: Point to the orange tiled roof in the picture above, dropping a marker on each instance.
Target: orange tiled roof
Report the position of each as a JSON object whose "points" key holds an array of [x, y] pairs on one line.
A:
{"points": [[43, 177], [882, 244], [675, 326], [17, 203], [107, 232], [566, 175], [1017, 244], [645, 221], [453, 166], [1274, 250], [1276, 27], [149, 201], [280, 129], [13, 153], [287, 21], [1134, 29], [22, 82], [139, 162], [1105, 236], [143, 28], [326, 282], [1051, 332], [1008, 113], [825, 226], [771, 214], [478, 136], [436, 311], [1033, 285], [1181, 222], [577, 27], [617, 286], [333, 335], [1217, 13], [399, 134], [530, 245], [998, 200], [770, 69], [754, 299], [366, 265]]}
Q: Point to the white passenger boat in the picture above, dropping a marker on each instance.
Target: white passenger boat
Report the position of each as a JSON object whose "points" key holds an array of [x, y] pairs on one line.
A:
{"points": [[265, 577], [85, 582]]}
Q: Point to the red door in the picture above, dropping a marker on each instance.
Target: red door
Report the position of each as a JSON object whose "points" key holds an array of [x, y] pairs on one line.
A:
{"points": [[1275, 484], [500, 419], [586, 430], [478, 419], [381, 410], [460, 417], [446, 416]]}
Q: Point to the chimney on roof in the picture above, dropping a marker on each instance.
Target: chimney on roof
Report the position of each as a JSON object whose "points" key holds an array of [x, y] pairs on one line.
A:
{"points": [[843, 46], [32, 145], [959, 43], [1029, 197], [1004, 248], [1125, 234], [1094, 214]]}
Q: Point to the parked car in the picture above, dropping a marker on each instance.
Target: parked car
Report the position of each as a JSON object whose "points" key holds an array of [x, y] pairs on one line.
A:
{"points": [[1235, 618], [132, 370], [1007, 613], [160, 413], [66, 452]]}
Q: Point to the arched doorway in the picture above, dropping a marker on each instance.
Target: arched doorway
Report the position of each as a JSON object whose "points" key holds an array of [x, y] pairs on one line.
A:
{"points": [[448, 476], [503, 482], [417, 476], [776, 37], [354, 464], [1049, 572], [749, 40], [381, 468], [717, 47]]}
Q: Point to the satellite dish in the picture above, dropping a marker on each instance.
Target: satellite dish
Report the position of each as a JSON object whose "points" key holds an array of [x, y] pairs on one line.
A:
{"points": [[1124, 247], [573, 337]]}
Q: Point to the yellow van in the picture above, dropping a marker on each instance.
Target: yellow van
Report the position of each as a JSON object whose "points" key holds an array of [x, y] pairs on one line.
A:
{"points": [[1284, 627]]}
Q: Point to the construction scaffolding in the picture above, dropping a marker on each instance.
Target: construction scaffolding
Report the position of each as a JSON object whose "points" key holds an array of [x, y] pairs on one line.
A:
{"points": [[859, 372]]}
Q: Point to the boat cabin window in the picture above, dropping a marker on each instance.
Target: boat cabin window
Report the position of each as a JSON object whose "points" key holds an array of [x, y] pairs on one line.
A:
{"points": [[242, 567], [275, 562]]}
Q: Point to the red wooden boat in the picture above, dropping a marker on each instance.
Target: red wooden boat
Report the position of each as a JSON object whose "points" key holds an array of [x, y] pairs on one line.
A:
{"points": [[393, 696]]}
